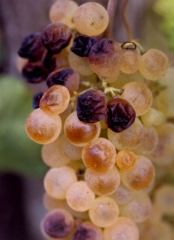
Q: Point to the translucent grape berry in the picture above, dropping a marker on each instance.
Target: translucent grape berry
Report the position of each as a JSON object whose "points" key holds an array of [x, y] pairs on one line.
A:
{"points": [[120, 115], [56, 36], [91, 106], [82, 45]]}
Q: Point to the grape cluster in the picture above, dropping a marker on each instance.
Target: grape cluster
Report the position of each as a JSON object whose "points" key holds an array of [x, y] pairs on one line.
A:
{"points": [[103, 124]]}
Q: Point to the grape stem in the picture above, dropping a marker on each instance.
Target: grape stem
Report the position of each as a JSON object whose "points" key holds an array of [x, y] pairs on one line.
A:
{"points": [[125, 21], [111, 8]]}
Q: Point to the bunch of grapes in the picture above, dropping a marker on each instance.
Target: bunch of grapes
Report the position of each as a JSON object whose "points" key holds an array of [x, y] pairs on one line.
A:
{"points": [[102, 115]]}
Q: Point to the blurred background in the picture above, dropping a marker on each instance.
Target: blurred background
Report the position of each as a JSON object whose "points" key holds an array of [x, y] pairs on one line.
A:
{"points": [[21, 167]]}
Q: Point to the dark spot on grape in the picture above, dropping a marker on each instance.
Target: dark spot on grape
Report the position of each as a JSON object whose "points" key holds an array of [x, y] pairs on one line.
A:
{"points": [[59, 77], [56, 36], [82, 45], [36, 99], [83, 233], [120, 115], [91, 106], [101, 47], [34, 72], [55, 225], [32, 47]]}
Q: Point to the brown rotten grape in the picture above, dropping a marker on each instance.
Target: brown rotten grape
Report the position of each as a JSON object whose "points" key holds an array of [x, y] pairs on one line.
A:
{"points": [[91, 106], [82, 45], [120, 115], [31, 47], [56, 36]]}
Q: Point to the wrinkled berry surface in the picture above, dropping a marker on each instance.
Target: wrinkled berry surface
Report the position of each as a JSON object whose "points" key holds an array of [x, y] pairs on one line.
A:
{"points": [[31, 47], [36, 99], [120, 115], [82, 45], [56, 36], [91, 106]]}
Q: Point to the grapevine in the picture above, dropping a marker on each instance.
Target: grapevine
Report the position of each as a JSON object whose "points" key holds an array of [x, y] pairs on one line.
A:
{"points": [[103, 137]]}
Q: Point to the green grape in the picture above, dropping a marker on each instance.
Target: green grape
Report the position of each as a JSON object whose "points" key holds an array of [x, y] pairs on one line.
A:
{"points": [[91, 19], [71, 151], [123, 195], [79, 64], [63, 11], [122, 229], [138, 95], [128, 139], [140, 176], [152, 117], [53, 155], [153, 64], [58, 180], [138, 209], [160, 230], [103, 183], [149, 141], [80, 197], [164, 199], [80, 133], [130, 62], [103, 212], [42, 128], [52, 203], [99, 156]]}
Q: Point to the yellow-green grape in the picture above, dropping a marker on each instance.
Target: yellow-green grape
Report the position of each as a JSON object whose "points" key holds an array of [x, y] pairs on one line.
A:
{"points": [[110, 79], [58, 180], [130, 61], [42, 128], [77, 214], [87, 231], [80, 133], [160, 155], [76, 165], [149, 141], [103, 183], [128, 139], [79, 64], [164, 199], [71, 151], [63, 11], [53, 155], [104, 212], [166, 130], [140, 176], [55, 100], [160, 230], [80, 197], [122, 229], [153, 64], [91, 19], [123, 195], [138, 95], [153, 117], [65, 114], [99, 156], [125, 159], [57, 224], [167, 79], [52, 203], [155, 215], [105, 57], [124, 78], [164, 102], [138, 209], [20, 63]]}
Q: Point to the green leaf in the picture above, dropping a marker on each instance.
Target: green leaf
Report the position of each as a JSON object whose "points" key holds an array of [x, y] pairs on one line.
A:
{"points": [[17, 152]]}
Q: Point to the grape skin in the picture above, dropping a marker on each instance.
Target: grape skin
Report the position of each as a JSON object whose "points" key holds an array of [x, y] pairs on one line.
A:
{"points": [[91, 19], [42, 128]]}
